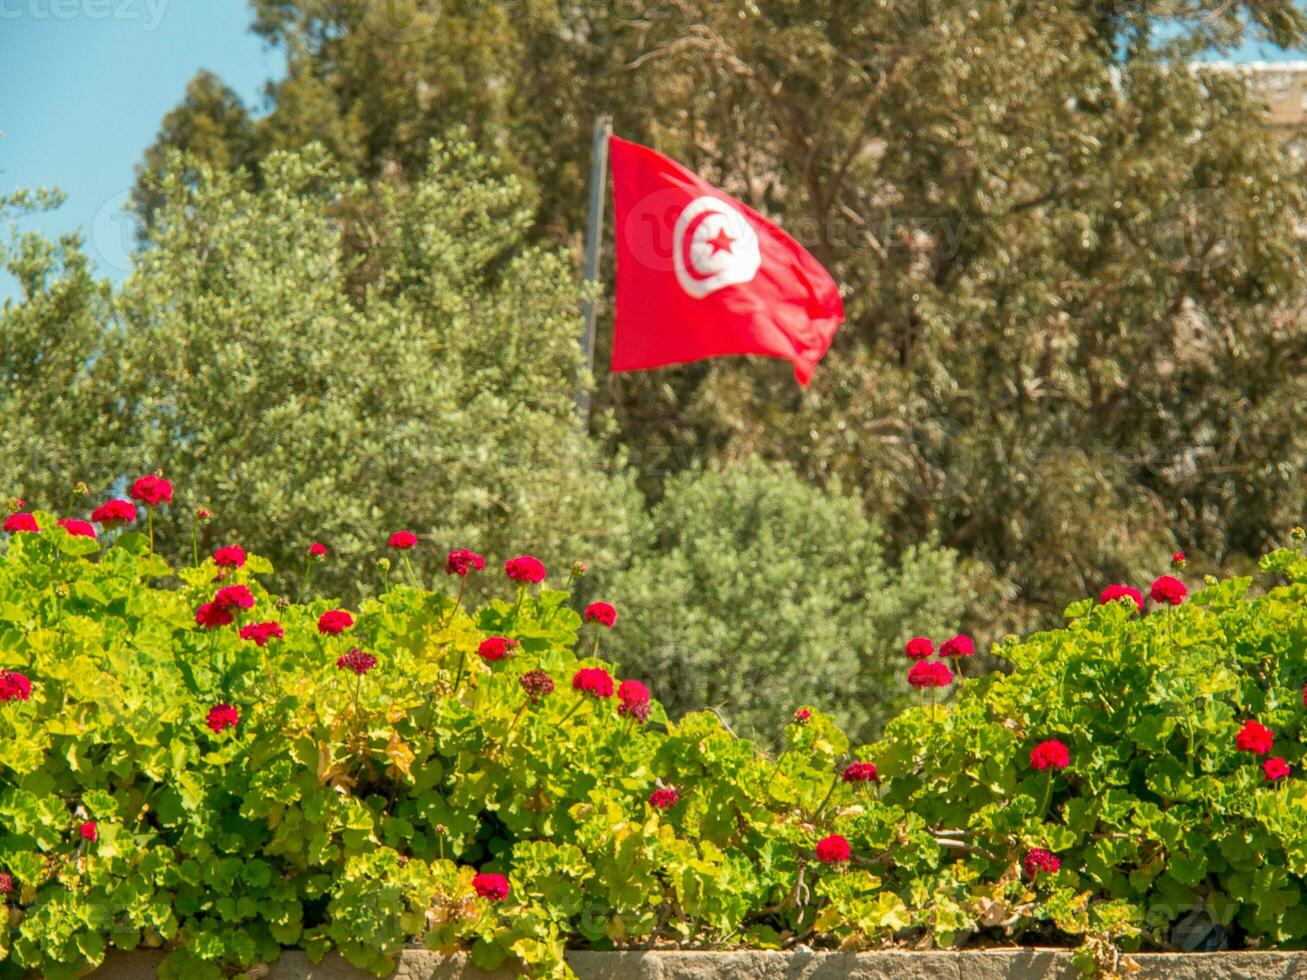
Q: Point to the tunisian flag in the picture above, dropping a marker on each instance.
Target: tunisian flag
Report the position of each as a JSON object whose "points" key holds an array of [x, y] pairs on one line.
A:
{"points": [[701, 275]]}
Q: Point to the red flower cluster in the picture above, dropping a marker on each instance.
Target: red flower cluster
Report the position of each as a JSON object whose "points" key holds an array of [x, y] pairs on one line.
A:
{"points": [[14, 686], [1114, 592], [6, 883], [333, 622], [602, 613], [492, 887], [234, 597], [1051, 754], [495, 648], [860, 772], [537, 684], [358, 661], [151, 490], [664, 798], [594, 681], [919, 648], [17, 523], [317, 550], [1168, 590], [635, 700], [1275, 769], [222, 716], [402, 540], [833, 849], [462, 560], [78, 529], [114, 512], [1177, 560], [261, 633], [1041, 860], [212, 616], [1254, 737], [89, 831], [524, 569], [958, 646], [803, 715], [930, 673], [229, 556]]}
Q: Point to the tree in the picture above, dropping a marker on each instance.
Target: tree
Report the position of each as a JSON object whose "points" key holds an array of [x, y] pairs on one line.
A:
{"points": [[761, 594], [1071, 265], [439, 399]]}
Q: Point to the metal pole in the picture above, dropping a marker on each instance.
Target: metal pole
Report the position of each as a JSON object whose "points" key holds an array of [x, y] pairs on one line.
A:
{"points": [[594, 234]]}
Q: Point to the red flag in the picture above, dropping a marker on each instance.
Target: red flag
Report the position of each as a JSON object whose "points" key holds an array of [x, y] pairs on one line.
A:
{"points": [[700, 275]]}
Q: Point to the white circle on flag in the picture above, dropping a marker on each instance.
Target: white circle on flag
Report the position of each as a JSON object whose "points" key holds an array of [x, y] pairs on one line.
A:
{"points": [[713, 246]]}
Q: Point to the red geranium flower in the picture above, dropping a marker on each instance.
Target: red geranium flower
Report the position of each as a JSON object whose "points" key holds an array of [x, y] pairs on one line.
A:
{"points": [[919, 647], [234, 597], [635, 700], [334, 622], [89, 831], [492, 887], [111, 513], [958, 646], [1051, 754], [261, 633], [358, 661], [664, 798], [402, 540], [860, 772], [230, 556], [1169, 590], [524, 568], [16, 523], [537, 684], [151, 490], [460, 561], [1041, 860], [495, 648], [1254, 737], [1275, 769], [1304, 695], [1114, 592], [317, 550], [211, 616], [803, 715], [6, 883], [14, 686], [833, 849], [602, 613], [222, 716], [1177, 560], [78, 529], [594, 681], [930, 673]]}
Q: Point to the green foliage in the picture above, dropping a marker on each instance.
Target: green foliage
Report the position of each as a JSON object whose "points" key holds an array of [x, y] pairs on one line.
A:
{"points": [[761, 592], [349, 811], [1072, 270], [238, 356]]}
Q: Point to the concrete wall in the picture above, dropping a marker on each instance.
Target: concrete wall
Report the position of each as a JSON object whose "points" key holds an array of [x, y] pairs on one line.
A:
{"points": [[1005, 964]]}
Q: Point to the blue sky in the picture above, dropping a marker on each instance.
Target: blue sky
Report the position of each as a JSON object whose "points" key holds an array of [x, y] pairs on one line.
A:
{"points": [[87, 82], [85, 86]]}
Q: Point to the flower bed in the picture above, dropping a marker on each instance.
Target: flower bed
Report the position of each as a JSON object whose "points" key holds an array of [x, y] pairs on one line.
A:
{"points": [[190, 763]]}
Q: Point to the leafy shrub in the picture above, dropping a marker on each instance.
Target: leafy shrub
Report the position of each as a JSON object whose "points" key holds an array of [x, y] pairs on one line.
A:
{"points": [[371, 777], [760, 591]]}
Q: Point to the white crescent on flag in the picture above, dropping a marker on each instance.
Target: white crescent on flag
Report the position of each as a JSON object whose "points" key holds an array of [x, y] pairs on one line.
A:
{"points": [[713, 246]]}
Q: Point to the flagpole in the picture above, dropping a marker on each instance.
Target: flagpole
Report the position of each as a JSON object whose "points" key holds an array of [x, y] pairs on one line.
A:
{"points": [[594, 233]]}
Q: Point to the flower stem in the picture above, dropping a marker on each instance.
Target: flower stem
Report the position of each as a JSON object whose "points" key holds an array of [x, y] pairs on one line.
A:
{"points": [[825, 799], [458, 677], [572, 710], [458, 603], [149, 523], [412, 576], [1048, 793], [195, 541]]}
